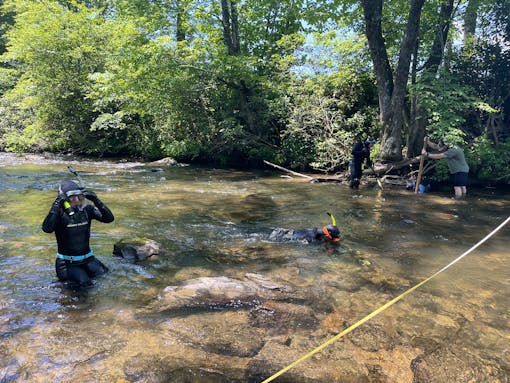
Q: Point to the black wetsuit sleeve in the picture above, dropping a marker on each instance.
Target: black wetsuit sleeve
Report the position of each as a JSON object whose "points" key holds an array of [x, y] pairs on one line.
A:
{"points": [[50, 222], [101, 212]]}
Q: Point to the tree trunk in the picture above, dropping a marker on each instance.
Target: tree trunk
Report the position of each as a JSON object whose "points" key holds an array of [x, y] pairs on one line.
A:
{"points": [[441, 36], [391, 92], [373, 28], [470, 19], [417, 117], [180, 32], [230, 21], [418, 113], [230, 25]]}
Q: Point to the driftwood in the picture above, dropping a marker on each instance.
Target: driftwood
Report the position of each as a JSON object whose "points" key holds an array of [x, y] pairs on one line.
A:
{"points": [[287, 170], [311, 179], [379, 170]]}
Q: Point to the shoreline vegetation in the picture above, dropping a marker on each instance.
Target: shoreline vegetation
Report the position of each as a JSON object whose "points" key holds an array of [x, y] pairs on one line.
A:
{"points": [[222, 84], [388, 175]]}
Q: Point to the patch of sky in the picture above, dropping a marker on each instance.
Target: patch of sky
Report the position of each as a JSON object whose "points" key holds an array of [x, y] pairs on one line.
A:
{"points": [[324, 53]]}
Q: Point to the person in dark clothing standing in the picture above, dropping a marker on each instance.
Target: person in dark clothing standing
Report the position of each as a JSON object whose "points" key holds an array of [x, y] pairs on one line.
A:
{"points": [[71, 220], [360, 152]]}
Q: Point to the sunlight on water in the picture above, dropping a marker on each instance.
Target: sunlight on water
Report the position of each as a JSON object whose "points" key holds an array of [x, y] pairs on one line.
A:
{"points": [[143, 322]]}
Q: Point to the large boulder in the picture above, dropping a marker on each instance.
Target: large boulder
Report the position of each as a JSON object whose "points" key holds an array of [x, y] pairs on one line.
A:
{"points": [[136, 250], [210, 292]]}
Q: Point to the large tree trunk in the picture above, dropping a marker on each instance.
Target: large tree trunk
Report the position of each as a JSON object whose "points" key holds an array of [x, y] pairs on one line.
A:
{"points": [[391, 91], [230, 21], [373, 29], [470, 19], [418, 119], [230, 24]]}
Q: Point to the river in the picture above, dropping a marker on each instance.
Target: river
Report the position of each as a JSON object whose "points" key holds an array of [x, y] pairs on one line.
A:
{"points": [[146, 322]]}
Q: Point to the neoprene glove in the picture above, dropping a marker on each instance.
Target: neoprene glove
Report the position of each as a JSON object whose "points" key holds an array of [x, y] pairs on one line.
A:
{"points": [[55, 207], [90, 195]]}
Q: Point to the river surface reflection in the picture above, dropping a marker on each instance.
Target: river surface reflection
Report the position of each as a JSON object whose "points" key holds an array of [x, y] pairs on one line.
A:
{"points": [[216, 223]]}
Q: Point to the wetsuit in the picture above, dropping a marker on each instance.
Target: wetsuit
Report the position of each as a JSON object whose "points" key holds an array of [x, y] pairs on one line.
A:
{"points": [[313, 235], [75, 260], [359, 153]]}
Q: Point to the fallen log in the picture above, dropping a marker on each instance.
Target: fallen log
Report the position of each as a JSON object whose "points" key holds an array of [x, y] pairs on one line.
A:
{"points": [[378, 170], [287, 170]]}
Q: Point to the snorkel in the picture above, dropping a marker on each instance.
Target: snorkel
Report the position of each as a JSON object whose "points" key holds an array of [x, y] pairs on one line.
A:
{"points": [[80, 181], [331, 231], [333, 220]]}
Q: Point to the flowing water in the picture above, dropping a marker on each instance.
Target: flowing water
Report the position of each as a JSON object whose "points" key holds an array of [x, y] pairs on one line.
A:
{"points": [[216, 223]]}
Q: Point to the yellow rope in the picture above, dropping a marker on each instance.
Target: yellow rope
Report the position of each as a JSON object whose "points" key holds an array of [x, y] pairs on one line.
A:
{"points": [[382, 308]]}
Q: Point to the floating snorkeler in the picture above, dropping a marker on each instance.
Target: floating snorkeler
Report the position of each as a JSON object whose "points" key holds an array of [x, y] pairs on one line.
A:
{"points": [[328, 233], [70, 218]]}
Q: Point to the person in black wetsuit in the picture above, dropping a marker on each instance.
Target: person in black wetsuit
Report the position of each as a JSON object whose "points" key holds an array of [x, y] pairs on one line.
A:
{"points": [[328, 233], [360, 152], [71, 221]]}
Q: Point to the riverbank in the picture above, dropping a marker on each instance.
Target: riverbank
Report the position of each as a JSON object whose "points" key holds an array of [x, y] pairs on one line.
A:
{"points": [[399, 181]]}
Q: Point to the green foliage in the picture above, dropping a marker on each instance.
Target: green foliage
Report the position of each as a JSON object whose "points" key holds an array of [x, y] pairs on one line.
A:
{"points": [[330, 108], [489, 163], [157, 79], [53, 50], [446, 102]]}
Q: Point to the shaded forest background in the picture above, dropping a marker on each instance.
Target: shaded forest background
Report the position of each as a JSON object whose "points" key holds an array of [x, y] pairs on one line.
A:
{"points": [[233, 82]]}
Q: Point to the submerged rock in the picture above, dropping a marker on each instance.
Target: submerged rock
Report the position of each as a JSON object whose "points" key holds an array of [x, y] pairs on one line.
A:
{"points": [[136, 250], [216, 332], [283, 316], [222, 292]]}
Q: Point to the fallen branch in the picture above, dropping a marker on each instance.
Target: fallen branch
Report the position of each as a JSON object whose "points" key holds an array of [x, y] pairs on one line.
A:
{"points": [[287, 170]]}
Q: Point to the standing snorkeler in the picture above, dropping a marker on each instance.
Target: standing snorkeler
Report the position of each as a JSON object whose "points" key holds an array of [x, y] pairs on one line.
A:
{"points": [[71, 220]]}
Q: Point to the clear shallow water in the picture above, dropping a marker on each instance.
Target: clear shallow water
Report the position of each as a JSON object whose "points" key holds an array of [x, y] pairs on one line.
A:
{"points": [[216, 223]]}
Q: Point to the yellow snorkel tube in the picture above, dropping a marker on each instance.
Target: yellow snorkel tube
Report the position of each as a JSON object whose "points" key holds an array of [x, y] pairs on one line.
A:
{"points": [[331, 231], [333, 220]]}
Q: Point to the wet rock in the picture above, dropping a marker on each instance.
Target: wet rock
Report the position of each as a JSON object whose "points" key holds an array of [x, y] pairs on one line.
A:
{"points": [[283, 316], [240, 252], [178, 362], [385, 282], [337, 320], [136, 250], [167, 161], [221, 292], [217, 333], [372, 337], [10, 367], [342, 362], [455, 365]]}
